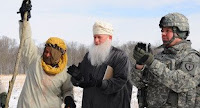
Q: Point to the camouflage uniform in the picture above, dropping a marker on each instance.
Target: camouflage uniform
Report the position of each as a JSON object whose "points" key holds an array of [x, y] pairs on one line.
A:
{"points": [[172, 78]]}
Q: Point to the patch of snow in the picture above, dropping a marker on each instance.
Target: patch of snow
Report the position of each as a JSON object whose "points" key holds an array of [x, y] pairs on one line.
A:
{"points": [[77, 91]]}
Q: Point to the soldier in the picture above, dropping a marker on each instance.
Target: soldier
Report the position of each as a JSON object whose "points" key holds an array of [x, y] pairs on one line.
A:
{"points": [[171, 77], [3, 95]]}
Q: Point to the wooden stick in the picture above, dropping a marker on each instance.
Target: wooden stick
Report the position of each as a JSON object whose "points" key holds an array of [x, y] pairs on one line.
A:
{"points": [[12, 81]]}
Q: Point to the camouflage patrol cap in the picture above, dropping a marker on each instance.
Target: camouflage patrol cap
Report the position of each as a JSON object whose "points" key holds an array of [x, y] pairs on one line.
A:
{"points": [[175, 20]]}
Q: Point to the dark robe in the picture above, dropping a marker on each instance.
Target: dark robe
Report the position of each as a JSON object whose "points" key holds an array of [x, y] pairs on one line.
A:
{"points": [[114, 92]]}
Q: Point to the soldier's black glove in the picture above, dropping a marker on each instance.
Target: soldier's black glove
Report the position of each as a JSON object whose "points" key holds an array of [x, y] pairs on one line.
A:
{"points": [[69, 102], [3, 99], [143, 56], [75, 72], [142, 46], [26, 7]]}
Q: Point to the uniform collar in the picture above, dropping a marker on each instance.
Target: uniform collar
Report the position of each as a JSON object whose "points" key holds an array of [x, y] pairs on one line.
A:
{"points": [[183, 45]]}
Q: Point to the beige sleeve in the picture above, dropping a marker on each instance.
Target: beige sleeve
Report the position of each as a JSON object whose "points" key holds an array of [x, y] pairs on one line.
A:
{"points": [[29, 49], [67, 88]]}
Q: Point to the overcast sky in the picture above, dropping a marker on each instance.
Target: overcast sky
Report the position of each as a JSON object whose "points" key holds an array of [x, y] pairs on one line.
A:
{"points": [[72, 20]]}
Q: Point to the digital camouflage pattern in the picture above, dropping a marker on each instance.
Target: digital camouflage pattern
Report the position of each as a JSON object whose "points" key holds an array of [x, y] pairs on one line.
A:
{"points": [[176, 20], [173, 78]]}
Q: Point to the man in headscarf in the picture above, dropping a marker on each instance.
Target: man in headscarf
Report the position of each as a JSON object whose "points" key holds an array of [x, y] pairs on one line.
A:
{"points": [[103, 73], [3, 95], [47, 84]]}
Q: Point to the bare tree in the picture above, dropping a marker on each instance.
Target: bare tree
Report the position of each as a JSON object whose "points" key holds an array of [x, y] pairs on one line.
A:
{"points": [[8, 50], [75, 52]]}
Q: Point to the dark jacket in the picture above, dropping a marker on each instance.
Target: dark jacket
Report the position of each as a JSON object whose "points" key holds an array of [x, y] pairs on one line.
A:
{"points": [[114, 92]]}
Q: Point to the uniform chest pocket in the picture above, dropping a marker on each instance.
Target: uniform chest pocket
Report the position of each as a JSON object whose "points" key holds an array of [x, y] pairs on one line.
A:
{"points": [[170, 63], [168, 60]]}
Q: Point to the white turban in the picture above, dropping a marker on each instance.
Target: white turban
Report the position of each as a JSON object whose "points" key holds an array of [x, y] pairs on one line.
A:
{"points": [[101, 27]]}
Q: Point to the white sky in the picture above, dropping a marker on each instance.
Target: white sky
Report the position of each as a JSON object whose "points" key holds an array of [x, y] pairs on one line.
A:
{"points": [[133, 20]]}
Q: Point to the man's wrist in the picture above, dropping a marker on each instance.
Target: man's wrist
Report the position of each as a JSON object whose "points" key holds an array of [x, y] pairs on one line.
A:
{"points": [[139, 67]]}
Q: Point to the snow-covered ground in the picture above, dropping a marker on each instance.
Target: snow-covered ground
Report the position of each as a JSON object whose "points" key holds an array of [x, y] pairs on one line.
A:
{"points": [[77, 91]]}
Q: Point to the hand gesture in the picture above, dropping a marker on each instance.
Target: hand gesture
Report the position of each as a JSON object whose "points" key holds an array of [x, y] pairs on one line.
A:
{"points": [[26, 7], [74, 71], [141, 55]]}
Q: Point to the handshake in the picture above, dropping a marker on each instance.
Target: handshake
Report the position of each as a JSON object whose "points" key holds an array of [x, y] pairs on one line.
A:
{"points": [[143, 54]]}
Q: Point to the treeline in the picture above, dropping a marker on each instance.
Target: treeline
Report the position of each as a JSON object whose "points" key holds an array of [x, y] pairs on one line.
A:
{"points": [[8, 51], [75, 52]]}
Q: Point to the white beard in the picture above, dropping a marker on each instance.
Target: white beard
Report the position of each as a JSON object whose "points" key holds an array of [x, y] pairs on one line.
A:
{"points": [[99, 53]]}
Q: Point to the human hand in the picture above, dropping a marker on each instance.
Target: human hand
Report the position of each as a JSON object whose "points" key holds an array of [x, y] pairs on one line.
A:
{"points": [[141, 55], [74, 71], [69, 102], [139, 67], [86, 84], [94, 82], [26, 7], [3, 99], [142, 46]]}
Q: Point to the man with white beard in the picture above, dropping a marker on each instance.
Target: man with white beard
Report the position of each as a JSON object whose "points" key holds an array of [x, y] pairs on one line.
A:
{"points": [[104, 72]]}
